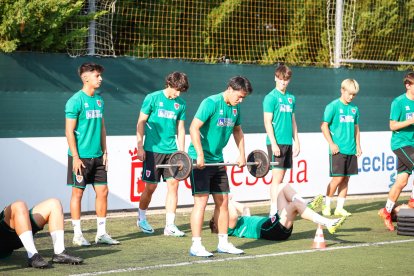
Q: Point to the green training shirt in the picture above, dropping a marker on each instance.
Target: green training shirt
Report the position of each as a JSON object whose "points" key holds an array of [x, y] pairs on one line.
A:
{"points": [[88, 111], [219, 120], [402, 109], [161, 125], [282, 106], [341, 119], [248, 227]]}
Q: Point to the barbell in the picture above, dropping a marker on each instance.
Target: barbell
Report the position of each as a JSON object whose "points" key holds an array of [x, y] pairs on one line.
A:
{"points": [[180, 164]]}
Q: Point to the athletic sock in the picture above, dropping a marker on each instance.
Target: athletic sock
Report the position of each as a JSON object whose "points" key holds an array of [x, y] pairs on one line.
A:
{"points": [[273, 209], [58, 238], [318, 219], [169, 219], [142, 214], [223, 239], [340, 201], [328, 201], [389, 205], [298, 197], [76, 224], [101, 225], [196, 241], [28, 243]]}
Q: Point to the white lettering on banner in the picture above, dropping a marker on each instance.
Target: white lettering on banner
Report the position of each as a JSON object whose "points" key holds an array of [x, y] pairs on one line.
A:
{"points": [[92, 114], [162, 113]]}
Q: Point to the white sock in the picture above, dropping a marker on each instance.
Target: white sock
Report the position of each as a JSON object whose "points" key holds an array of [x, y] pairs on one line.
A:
{"points": [[28, 243], [318, 219], [340, 201], [328, 201], [273, 209], [389, 205], [76, 224], [101, 225], [142, 214], [298, 197], [223, 239], [169, 219], [58, 238], [196, 241]]}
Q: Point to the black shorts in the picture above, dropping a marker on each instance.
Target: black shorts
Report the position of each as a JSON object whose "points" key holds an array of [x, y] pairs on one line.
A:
{"points": [[150, 173], [285, 159], [94, 173], [210, 180], [405, 157], [342, 165], [9, 240], [272, 230]]}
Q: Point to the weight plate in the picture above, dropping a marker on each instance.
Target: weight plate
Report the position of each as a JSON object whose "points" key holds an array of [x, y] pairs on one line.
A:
{"points": [[182, 159], [263, 166]]}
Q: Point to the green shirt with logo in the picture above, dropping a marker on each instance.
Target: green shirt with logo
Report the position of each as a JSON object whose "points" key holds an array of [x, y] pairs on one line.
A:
{"points": [[219, 120], [402, 109], [282, 106], [88, 111], [342, 119], [248, 227], [161, 125]]}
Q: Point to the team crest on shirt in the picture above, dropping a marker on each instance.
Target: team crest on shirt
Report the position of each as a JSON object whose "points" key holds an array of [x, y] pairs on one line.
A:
{"points": [[176, 106], [407, 107], [353, 110], [273, 219], [98, 102], [79, 178], [147, 173], [86, 105], [290, 100], [234, 112]]}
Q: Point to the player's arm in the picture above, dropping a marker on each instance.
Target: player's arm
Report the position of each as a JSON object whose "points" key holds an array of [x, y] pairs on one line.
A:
{"points": [[268, 118], [70, 125], [395, 125], [142, 120], [239, 139], [103, 144], [181, 135], [295, 136], [327, 134], [195, 135], [358, 141]]}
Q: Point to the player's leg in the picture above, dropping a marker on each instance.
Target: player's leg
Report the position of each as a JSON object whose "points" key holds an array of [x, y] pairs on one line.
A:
{"points": [[277, 179], [330, 192], [197, 219], [50, 211], [170, 207], [342, 193]]}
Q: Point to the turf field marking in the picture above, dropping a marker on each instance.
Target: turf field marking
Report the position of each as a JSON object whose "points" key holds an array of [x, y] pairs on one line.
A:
{"points": [[152, 267]]}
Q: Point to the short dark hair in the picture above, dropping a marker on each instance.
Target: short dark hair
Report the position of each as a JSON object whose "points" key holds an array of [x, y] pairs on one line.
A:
{"points": [[90, 67], [283, 72], [409, 78], [240, 83], [178, 81]]}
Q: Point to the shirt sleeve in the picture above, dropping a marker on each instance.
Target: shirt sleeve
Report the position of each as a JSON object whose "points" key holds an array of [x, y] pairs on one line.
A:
{"points": [[205, 110], [73, 108], [329, 113], [146, 107], [395, 112], [269, 103]]}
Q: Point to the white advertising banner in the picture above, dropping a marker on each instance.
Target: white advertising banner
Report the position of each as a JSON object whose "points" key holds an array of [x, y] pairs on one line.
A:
{"points": [[33, 169]]}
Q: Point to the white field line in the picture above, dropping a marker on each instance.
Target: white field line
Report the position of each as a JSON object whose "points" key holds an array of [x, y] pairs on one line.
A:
{"points": [[239, 258]]}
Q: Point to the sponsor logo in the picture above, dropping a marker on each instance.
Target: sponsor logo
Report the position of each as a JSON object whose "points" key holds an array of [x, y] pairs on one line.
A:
{"points": [[221, 112], [285, 108], [346, 119], [407, 107], [161, 104], [162, 113], [341, 111], [86, 105], [225, 122], [93, 114], [409, 115]]}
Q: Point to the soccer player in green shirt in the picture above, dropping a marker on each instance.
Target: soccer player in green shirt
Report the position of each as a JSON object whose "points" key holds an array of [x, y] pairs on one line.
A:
{"points": [[340, 128], [280, 124], [279, 226], [161, 118], [87, 155], [217, 118], [402, 144]]}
